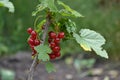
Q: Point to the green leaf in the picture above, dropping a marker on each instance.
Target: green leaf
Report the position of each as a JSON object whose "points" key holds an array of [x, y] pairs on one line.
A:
{"points": [[39, 8], [8, 4], [40, 25], [43, 51], [83, 44], [67, 26], [50, 67], [70, 26], [51, 5], [1, 4], [89, 39], [64, 12], [68, 11], [45, 4], [43, 56]]}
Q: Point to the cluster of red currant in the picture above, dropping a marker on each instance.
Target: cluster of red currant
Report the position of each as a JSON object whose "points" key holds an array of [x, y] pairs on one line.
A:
{"points": [[33, 40], [54, 40]]}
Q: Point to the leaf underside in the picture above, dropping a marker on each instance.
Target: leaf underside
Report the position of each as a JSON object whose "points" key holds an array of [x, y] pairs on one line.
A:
{"points": [[89, 39], [43, 51], [8, 4], [50, 67]]}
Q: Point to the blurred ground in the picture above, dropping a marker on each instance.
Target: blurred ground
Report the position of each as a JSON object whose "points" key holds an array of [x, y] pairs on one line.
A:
{"points": [[21, 62]]}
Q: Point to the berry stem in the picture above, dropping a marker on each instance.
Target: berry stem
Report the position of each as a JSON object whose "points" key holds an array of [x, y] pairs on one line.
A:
{"points": [[35, 22], [34, 63]]}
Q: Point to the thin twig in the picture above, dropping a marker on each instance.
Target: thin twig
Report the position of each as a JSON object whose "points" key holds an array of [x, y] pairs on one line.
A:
{"points": [[32, 68]]}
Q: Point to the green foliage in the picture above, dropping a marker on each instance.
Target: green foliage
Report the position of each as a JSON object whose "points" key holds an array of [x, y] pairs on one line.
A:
{"points": [[1, 4], [43, 51], [101, 18], [70, 26], [40, 7], [8, 4], [13, 26], [68, 11], [50, 5], [7, 74], [89, 39], [45, 4], [50, 67], [40, 25]]}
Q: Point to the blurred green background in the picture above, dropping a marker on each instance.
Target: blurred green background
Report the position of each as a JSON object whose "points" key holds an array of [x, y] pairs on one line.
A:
{"points": [[102, 16]]}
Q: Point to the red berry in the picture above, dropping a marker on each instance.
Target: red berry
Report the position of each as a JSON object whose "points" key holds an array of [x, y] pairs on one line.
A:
{"points": [[61, 35], [57, 40], [49, 40], [52, 35], [56, 49], [52, 56], [33, 34], [57, 54], [32, 47], [31, 42], [37, 42], [50, 32], [29, 30], [33, 37], [34, 52], [52, 44]]}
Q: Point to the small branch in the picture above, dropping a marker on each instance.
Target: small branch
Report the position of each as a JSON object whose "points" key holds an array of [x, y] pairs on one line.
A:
{"points": [[47, 24], [34, 63], [32, 69]]}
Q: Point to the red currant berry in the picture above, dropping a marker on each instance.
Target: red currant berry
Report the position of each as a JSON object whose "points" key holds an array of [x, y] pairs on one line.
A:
{"points": [[29, 30], [52, 56], [57, 44], [50, 32], [49, 40], [57, 40], [31, 42], [52, 35], [32, 47], [33, 34], [33, 37], [34, 52], [57, 54], [52, 44], [37, 42], [61, 35], [56, 49]]}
